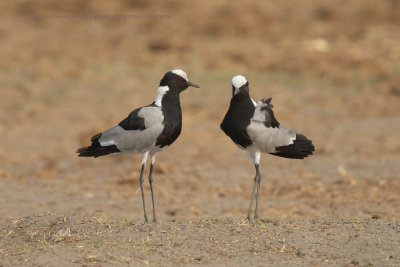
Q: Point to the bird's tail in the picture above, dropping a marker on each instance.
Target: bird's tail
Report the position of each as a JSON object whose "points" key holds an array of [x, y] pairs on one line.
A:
{"points": [[96, 149], [301, 148]]}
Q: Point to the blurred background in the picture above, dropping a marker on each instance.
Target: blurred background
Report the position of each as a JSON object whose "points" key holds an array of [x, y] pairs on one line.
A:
{"points": [[69, 70]]}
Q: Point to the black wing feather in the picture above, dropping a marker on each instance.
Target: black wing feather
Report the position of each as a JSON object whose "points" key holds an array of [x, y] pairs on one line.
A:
{"points": [[301, 148], [270, 120], [96, 150], [133, 121]]}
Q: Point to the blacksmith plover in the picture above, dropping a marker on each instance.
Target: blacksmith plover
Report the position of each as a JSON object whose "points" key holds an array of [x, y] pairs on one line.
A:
{"points": [[146, 130], [253, 127]]}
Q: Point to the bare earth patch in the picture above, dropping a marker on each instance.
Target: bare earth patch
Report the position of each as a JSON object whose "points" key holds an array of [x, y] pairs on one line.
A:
{"points": [[76, 240]]}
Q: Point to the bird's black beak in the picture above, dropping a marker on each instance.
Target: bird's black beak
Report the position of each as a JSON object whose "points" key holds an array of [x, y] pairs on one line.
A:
{"points": [[192, 84]]}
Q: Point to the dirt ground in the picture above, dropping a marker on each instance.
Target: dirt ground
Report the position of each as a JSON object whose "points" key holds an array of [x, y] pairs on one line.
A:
{"points": [[331, 67], [78, 240]]}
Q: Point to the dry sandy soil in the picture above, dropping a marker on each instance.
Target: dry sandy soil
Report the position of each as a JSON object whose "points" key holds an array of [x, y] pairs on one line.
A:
{"points": [[77, 240], [332, 68]]}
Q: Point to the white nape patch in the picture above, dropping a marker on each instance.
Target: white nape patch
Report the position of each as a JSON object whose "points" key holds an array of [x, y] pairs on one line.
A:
{"points": [[161, 91], [181, 73], [238, 81], [144, 158], [254, 102]]}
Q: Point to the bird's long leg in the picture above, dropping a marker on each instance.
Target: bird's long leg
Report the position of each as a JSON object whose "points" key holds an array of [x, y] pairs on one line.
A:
{"points": [[141, 184], [251, 200], [254, 156], [153, 157], [258, 176]]}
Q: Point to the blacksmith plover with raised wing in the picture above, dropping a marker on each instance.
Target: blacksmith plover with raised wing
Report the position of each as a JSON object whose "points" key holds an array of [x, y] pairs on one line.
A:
{"points": [[253, 127], [146, 130]]}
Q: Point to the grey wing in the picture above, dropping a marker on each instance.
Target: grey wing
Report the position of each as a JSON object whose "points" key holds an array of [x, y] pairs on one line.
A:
{"points": [[137, 133], [265, 131]]}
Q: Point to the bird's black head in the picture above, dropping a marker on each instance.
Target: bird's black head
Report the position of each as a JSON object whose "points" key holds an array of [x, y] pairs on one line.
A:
{"points": [[240, 85], [176, 80]]}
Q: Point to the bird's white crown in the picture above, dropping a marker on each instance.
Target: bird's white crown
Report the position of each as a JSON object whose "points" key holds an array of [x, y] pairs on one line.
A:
{"points": [[181, 73], [238, 81]]}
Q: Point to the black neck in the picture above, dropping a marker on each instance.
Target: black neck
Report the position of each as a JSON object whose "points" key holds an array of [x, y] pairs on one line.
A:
{"points": [[241, 102], [171, 108], [171, 105], [238, 117]]}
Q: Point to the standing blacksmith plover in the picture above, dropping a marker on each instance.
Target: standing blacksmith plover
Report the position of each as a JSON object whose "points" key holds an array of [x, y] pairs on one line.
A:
{"points": [[253, 127], [146, 130]]}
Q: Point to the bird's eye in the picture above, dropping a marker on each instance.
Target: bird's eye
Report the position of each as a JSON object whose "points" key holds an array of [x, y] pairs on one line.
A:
{"points": [[179, 78]]}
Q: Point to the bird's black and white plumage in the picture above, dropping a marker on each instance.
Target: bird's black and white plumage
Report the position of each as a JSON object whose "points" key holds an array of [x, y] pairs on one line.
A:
{"points": [[146, 130], [253, 127]]}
